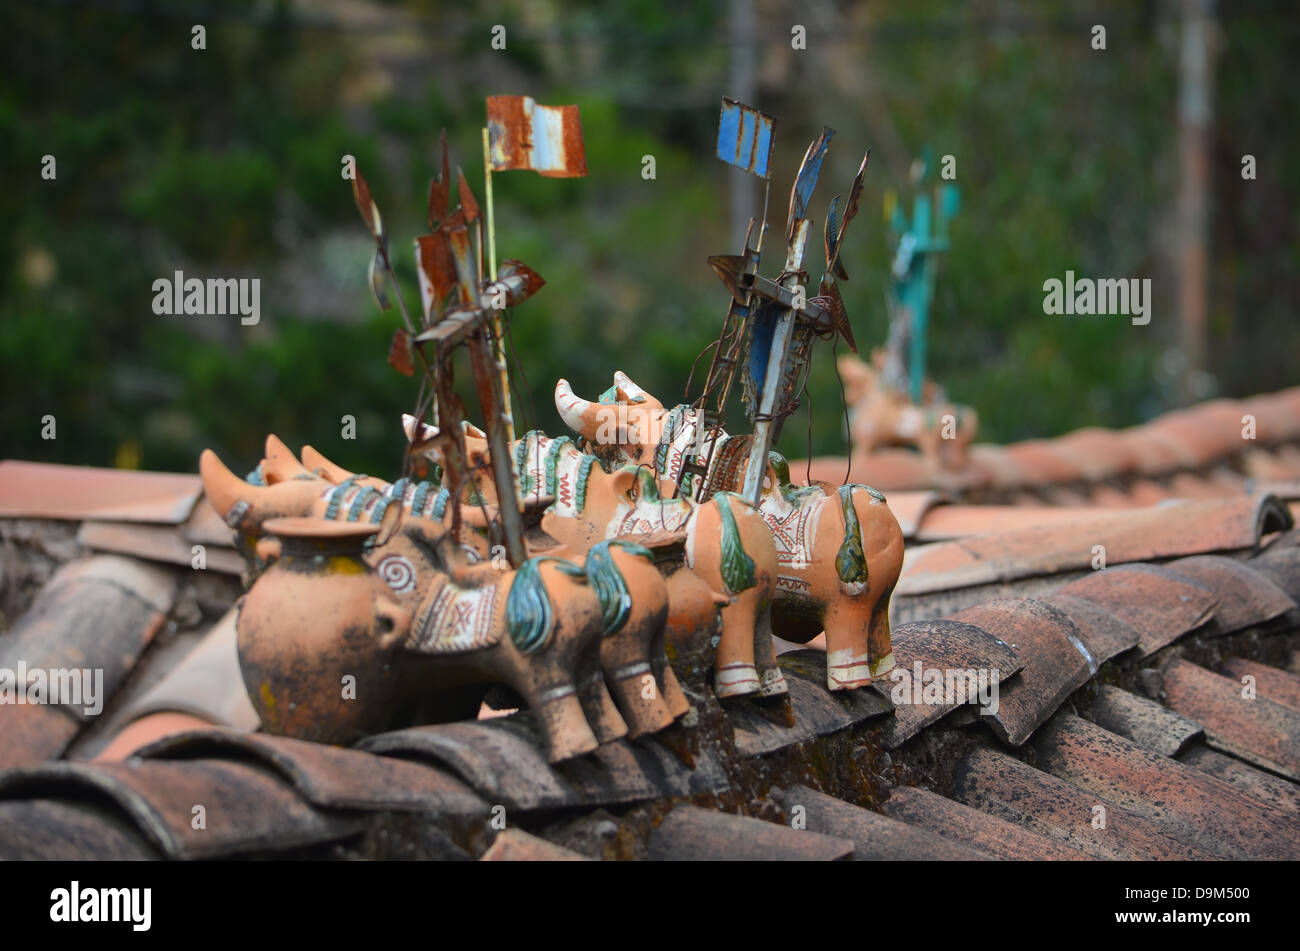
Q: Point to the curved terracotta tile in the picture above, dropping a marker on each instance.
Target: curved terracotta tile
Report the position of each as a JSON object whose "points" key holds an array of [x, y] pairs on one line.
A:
{"points": [[691, 833], [515, 845], [975, 829], [44, 830], [1246, 597], [45, 490], [1271, 683], [1009, 789], [1204, 432], [245, 810], [1143, 721], [1157, 452], [875, 837], [1277, 418], [1256, 730], [890, 469], [330, 776], [1102, 452], [911, 507], [946, 522], [1158, 604], [1056, 663], [1146, 492], [1190, 804], [1041, 463], [146, 730], [993, 466], [1184, 485], [1184, 528]]}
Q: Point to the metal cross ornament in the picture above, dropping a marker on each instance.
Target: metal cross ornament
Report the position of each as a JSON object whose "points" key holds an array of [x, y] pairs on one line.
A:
{"points": [[447, 264], [915, 264], [771, 323]]}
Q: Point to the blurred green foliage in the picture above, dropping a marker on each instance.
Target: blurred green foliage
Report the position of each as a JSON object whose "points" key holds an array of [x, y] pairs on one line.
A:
{"points": [[225, 162]]}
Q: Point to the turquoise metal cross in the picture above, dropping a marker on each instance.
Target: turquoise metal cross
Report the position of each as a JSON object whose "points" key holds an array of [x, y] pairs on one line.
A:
{"points": [[915, 265]]}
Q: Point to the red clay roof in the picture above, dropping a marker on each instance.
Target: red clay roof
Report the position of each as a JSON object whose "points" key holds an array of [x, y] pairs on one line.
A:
{"points": [[1196, 601]]}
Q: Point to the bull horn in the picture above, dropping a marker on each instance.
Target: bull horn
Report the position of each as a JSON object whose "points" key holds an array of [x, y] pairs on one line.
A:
{"points": [[469, 429], [226, 491], [582, 416], [420, 435], [321, 466], [280, 464]]}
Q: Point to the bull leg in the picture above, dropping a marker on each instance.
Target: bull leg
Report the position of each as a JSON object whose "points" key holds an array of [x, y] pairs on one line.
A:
{"points": [[880, 651], [847, 656], [669, 685], [771, 679], [597, 705], [735, 672], [545, 678], [626, 659], [553, 697]]}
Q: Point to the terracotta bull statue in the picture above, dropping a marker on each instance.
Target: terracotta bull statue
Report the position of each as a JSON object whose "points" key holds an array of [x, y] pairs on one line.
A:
{"points": [[693, 625], [728, 545], [881, 415], [839, 548], [628, 578], [567, 625]]}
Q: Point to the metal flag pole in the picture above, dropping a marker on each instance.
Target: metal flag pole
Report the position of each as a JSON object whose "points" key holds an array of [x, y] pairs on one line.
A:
{"points": [[498, 336]]}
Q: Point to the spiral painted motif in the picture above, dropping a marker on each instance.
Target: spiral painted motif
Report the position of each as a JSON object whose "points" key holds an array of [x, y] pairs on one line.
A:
{"points": [[398, 573]]}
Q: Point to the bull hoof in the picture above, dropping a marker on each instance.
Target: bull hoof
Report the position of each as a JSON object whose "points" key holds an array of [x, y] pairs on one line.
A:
{"points": [[773, 684], [567, 731], [846, 670], [883, 666], [736, 680]]}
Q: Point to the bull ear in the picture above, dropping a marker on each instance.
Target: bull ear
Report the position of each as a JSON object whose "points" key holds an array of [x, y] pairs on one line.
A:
{"points": [[630, 392], [394, 620], [852, 369], [625, 482], [478, 516], [477, 457]]}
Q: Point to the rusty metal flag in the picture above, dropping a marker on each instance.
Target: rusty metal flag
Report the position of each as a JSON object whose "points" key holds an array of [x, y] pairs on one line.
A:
{"points": [[806, 180], [437, 272], [545, 139], [745, 138]]}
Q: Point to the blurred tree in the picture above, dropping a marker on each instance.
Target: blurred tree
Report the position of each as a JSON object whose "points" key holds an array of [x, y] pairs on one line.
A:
{"points": [[225, 162]]}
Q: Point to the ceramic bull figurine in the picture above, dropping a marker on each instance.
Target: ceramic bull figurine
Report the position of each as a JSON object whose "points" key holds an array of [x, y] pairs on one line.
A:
{"points": [[728, 545], [839, 548], [880, 415], [627, 590], [327, 654], [635, 593]]}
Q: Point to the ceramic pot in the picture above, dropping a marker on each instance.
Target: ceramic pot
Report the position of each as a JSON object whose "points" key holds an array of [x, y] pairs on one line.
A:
{"points": [[319, 637]]}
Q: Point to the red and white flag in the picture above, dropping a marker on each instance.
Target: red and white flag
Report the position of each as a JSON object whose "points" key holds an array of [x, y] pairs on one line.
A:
{"points": [[546, 139]]}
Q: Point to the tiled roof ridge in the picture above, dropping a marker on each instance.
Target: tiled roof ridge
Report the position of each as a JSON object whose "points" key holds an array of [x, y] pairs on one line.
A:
{"points": [[1189, 441], [265, 794]]}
